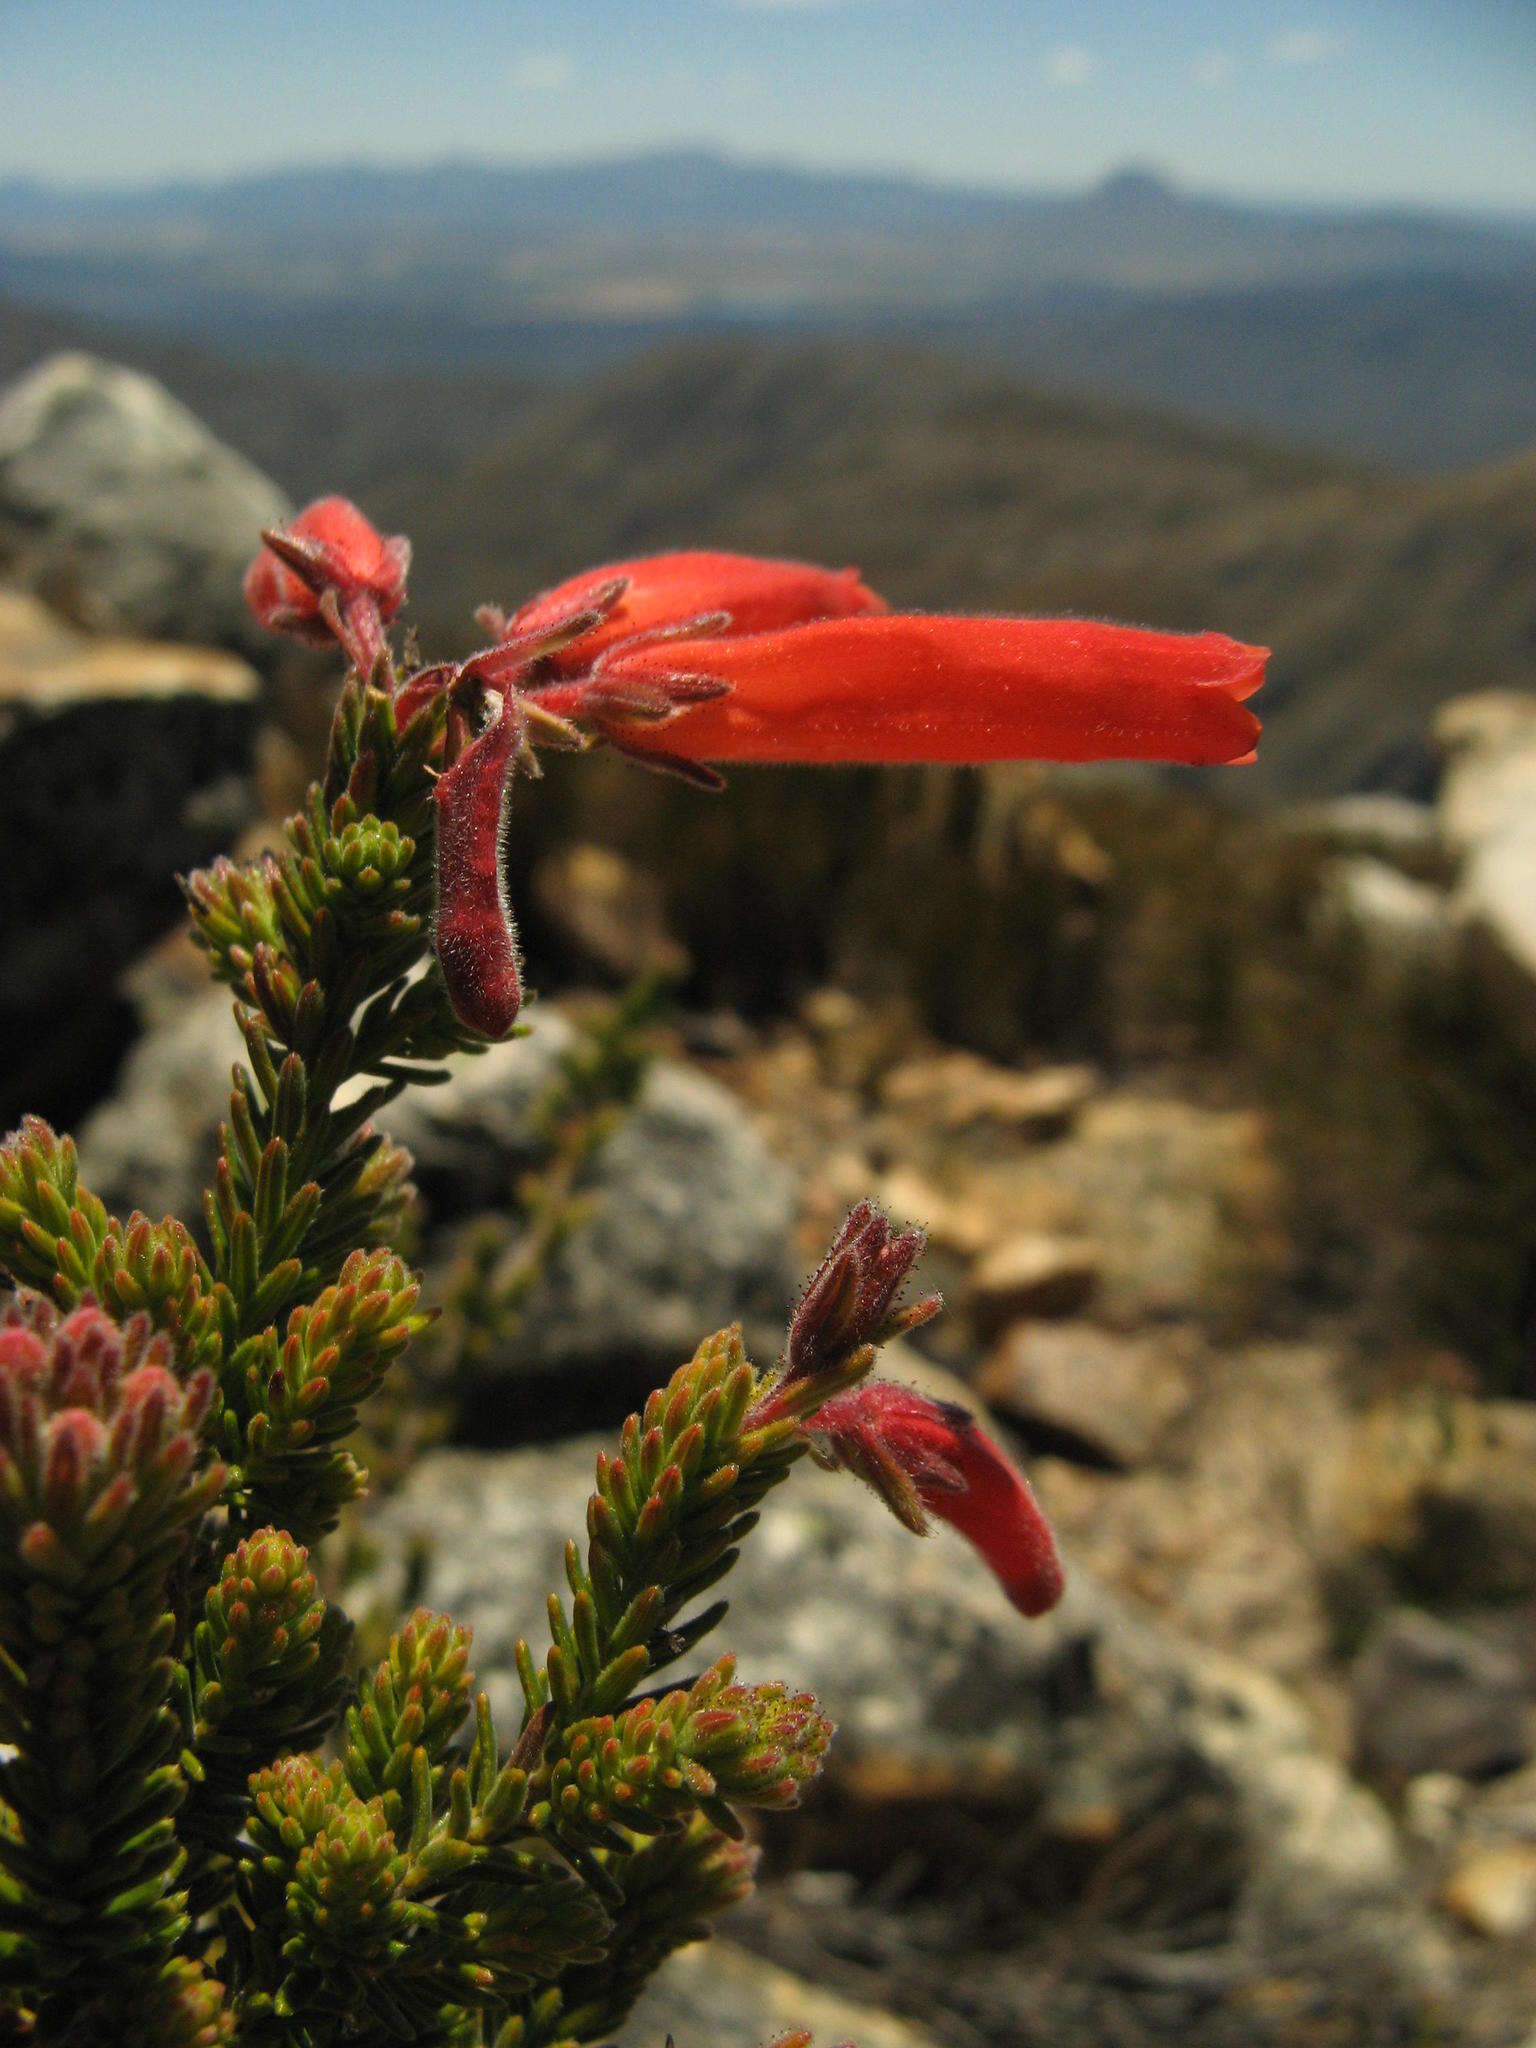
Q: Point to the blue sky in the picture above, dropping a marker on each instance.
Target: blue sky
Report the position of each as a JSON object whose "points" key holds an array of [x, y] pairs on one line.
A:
{"points": [[1421, 100]]}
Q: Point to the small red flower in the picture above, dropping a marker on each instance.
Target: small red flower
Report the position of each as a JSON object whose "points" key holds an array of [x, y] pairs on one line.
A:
{"points": [[330, 575], [930, 1457], [662, 593], [926, 687]]}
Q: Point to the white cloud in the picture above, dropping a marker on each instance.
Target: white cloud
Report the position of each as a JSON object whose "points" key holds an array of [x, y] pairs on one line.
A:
{"points": [[1070, 68], [1213, 70], [1305, 46], [542, 71]]}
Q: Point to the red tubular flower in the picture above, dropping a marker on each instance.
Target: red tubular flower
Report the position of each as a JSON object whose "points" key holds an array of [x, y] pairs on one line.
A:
{"points": [[744, 593], [330, 575], [925, 687], [924, 1455]]}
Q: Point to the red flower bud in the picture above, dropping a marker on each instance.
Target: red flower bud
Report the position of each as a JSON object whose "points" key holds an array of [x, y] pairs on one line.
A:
{"points": [[74, 1442], [899, 1439], [737, 593], [474, 932], [851, 1298], [923, 687], [330, 575], [23, 1356]]}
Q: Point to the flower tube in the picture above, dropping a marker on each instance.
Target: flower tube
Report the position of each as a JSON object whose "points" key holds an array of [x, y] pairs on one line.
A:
{"points": [[915, 687]]}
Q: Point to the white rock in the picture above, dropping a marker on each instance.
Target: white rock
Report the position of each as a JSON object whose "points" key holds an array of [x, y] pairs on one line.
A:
{"points": [[1404, 920], [718, 1996], [117, 500], [1487, 811]]}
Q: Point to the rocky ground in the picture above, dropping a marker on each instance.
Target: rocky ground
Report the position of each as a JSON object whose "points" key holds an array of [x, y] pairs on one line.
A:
{"points": [[1269, 1775]]}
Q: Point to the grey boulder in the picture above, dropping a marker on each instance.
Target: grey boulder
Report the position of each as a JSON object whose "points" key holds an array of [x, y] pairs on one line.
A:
{"points": [[119, 505], [688, 1228]]}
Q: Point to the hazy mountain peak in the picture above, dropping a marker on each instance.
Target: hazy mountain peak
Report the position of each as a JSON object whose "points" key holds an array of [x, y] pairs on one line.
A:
{"points": [[1138, 186]]}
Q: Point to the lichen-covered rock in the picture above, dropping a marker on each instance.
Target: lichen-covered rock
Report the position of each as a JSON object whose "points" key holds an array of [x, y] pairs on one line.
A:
{"points": [[152, 1144], [689, 1222]]}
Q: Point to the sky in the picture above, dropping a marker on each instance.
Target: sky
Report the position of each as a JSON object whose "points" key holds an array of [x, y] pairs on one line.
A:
{"points": [[1362, 101]]}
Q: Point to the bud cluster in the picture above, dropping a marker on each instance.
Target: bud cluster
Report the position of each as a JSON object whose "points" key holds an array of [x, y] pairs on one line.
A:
{"points": [[692, 1750], [103, 1478], [418, 1699], [56, 1235], [99, 1438], [263, 1674], [300, 1394], [851, 1300]]}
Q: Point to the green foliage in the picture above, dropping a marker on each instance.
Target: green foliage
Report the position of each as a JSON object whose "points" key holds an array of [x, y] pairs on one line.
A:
{"points": [[419, 1699], [404, 1886], [51, 1228], [320, 941], [298, 1396], [55, 1235], [673, 1889], [698, 1749], [263, 1674], [665, 1523]]}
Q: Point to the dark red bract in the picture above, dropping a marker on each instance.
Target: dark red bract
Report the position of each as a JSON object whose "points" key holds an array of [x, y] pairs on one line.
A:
{"points": [[475, 934]]}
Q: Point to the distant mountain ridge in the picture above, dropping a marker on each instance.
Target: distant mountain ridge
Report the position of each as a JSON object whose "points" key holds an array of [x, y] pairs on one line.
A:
{"points": [[1133, 227], [1405, 336]]}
